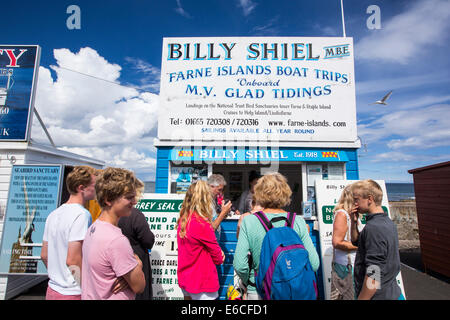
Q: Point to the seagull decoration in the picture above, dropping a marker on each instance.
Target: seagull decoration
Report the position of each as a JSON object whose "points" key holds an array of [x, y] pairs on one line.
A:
{"points": [[383, 101]]}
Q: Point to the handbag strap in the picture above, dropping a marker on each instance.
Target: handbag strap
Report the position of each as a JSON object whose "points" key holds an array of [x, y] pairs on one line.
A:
{"points": [[347, 215]]}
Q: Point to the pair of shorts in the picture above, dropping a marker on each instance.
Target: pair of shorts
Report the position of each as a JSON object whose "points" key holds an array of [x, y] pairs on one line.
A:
{"points": [[202, 295], [54, 295]]}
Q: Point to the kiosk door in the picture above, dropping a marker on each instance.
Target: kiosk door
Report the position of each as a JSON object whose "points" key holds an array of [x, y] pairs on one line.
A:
{"points": [[293, 173]]}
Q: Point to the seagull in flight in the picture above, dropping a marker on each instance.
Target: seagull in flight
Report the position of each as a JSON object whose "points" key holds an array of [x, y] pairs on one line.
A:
{"points": [[383, 101]]}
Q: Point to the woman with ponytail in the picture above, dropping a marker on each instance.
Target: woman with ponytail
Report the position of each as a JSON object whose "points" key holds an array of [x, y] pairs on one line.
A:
{"points": [[198, 250]]}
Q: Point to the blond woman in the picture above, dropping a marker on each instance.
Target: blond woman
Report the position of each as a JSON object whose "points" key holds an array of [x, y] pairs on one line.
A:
{"points": [[198, 250], [343, 250], [272, 193]]}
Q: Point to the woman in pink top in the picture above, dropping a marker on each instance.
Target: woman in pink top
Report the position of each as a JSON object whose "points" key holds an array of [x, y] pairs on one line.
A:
{"points": [[198, 250]]}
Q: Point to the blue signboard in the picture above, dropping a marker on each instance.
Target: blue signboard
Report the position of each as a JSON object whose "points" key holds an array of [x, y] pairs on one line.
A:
{"points": [[18, 74], [34, 192], [187, 155]]}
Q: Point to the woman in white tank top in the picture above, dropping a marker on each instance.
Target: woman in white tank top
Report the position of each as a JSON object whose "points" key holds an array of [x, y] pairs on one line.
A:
{"points": [[344, 251]]}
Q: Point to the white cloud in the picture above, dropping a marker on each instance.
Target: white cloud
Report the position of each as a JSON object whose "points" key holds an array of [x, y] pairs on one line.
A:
{"points": [[152, 75], [391, 83], [268, 29], [393, 156], [423, 101], [247, 6], [179, 9], [99, 119], [326, 31], [419, 128], [404, 36]]}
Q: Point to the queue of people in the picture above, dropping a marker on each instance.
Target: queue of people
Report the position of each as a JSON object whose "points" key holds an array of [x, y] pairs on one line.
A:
{"points": [[364, 265], [109, 259], [100, 260]]}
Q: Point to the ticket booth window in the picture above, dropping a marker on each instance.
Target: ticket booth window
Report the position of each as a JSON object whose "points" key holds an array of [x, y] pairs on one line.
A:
{"points": [[182, 176]]}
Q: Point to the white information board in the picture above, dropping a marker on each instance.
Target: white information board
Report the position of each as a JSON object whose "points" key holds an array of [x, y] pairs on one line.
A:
{"points": [[258, 88], [328, 193], [161, 212]]}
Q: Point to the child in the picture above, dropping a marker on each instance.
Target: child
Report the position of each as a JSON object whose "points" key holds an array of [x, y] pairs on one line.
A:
{"points": [[377, 262]]}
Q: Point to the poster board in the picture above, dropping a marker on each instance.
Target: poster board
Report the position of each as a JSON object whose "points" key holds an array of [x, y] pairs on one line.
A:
{"points": [[257, 88], [34, 192], [161, 212], [328, 193], [19, 65]]}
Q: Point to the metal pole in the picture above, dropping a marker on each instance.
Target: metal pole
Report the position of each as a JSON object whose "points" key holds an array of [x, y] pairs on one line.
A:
{"points": [[343, 21], [43, 127]]}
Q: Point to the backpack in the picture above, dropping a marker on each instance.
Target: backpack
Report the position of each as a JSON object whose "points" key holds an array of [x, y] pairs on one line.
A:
{"points": [[285, 272]]}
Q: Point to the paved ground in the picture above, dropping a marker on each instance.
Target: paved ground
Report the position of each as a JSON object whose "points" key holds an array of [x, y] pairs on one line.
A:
{"points": [[35, 293], [418, 285], [421, 286]]}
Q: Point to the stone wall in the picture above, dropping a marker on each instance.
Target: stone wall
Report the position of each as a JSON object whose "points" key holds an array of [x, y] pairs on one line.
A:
{"points": [[404, 215]]}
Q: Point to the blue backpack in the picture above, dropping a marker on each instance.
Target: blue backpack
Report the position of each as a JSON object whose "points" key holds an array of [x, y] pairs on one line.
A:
{"points": [[285, 272]]}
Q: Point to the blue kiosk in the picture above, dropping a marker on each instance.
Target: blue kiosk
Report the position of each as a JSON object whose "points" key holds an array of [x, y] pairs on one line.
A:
{"points": [[322, 163], [236, 105]]}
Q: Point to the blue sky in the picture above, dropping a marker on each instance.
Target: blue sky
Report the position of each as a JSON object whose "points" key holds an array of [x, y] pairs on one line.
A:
{"points": [[121, 42]]}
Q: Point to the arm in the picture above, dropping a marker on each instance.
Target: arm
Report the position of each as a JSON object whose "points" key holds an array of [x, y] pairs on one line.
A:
{"points": [[208, 238], [369, 288], [76, 236], [240, 262], [354, 232], [74, 254], [135, 278], [126, 264], [74, 259], [225, 210], [339, 231], [44, 253]]}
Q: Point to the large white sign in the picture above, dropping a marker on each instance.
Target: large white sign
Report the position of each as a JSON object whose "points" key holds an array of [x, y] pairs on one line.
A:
{"points": [[270, 89], [328, 193]]}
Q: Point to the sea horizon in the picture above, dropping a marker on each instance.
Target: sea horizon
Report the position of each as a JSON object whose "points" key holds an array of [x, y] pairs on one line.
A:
{"points": [[396, 191]]}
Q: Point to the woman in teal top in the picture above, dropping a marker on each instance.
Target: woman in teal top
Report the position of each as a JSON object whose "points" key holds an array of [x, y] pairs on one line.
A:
{"points": [[271, 193]]}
